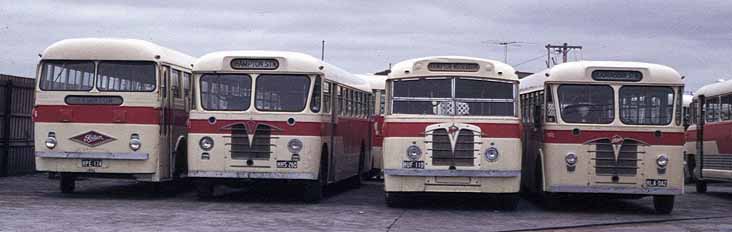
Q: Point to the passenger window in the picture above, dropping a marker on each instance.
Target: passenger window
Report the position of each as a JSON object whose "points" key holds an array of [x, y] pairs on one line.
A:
{"points": [[712, 108], [175, 83], [326, 97], [724, 112], [315, 99]]}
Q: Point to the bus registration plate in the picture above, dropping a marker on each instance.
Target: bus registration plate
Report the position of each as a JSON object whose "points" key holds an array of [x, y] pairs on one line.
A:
{"points": [[413, 164], [91, 163], [656, 183], [286, 164]]}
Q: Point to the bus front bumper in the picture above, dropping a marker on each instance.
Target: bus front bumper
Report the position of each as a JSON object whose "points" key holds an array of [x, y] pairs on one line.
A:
{"points": [[614, 190], [254, 175], [94, 155], [456, 173]]}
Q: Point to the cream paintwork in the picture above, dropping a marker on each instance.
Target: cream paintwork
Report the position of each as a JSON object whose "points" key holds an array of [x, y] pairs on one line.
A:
{"points": [[64, 131], [509, 148], [99, 49], [712, 148]]}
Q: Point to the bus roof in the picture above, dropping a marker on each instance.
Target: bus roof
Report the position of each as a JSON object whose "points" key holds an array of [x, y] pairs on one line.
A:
{"points": [[376, 81], [579, 71], [291, 62], [114, 49], [418, 67], [719, 88]]}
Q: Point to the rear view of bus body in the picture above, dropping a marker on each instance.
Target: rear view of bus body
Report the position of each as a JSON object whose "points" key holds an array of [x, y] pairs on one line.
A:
{"points": [[111, 108], [604, 129], [276, 116], [452, 126]]}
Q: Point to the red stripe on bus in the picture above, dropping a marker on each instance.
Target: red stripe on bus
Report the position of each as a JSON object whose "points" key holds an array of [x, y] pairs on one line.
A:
{"points": [[202, 126], [566, 136], [416, 129], [97, 114], [719, 132]]}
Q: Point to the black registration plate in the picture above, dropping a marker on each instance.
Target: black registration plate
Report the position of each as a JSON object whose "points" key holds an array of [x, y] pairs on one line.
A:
{"points": [[656, 183], [91, 163], [286, 164], [413, 164]]}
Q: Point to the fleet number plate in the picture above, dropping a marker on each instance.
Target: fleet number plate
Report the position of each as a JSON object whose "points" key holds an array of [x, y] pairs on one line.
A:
{"points": [[286, 164], [413, 164], [656, 183], [91, 163]]}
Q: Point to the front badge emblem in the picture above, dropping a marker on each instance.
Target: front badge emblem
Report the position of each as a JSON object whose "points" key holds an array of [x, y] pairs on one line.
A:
{"points": [[92, 139]]}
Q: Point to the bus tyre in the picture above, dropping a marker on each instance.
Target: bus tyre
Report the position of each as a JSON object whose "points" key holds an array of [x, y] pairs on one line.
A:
{"points": [[204, 190], [393, 200], [68, 183], [663, 204], [701, 186], [312, 192], [510, 201]]}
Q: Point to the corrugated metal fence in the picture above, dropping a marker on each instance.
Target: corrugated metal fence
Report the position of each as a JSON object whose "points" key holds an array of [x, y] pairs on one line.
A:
{"points": [[16, 125]]}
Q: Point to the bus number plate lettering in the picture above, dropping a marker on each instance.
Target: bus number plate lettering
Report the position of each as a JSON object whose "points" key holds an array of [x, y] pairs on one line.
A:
{"points": [[413, 164], [656, 183], [286, 164], [91, 163]]}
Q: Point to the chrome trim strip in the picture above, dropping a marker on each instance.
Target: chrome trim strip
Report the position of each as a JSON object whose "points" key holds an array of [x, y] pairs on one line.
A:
{"points": [[614, 189], [254, 175], [470, 173], [94, 155]]}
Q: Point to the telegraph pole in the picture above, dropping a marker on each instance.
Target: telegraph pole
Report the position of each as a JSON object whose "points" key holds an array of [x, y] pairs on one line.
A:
{"points": [[322, 50], [564, 49]]}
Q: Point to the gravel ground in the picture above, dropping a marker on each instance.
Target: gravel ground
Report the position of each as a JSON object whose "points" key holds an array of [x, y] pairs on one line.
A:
{"points": [[33, 203]]}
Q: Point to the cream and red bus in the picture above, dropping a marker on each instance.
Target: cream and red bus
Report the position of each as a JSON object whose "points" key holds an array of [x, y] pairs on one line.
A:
{"points": [[452, 126], [111, 108], [606, 129], [277, 116], [378, 101], [708, 142]]}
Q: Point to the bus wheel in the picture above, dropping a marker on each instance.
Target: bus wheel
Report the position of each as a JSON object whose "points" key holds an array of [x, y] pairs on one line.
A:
{"points": [[312, 192], [663, 204], [204, 189], [394, 200], [701, 186], [510, 201], [68, 183]]}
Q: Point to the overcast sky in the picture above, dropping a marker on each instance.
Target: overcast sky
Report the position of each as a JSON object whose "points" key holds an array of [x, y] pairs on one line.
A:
{"points": [[694, 37]]}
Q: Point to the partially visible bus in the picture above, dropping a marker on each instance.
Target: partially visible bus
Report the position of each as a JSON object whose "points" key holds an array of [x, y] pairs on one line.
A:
{"points": [[686, 101], [277, 116], [111, 108], [378, 101], [708, 138], [605, 129], [452, 126]]}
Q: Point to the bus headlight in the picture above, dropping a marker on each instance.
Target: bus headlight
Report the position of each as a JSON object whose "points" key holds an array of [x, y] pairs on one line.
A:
{"points": [[491, 154], [206, 143], [295, 146], [662, 160], [571, 159], [51, 142], [135, 144], [413, 152]]}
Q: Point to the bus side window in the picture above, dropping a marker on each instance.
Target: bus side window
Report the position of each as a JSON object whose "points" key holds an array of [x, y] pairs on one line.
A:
{"points": [[175, 83], [340, 104], [326, 97], [712, 109], [188, 90], [315, 100], [163, 81], [724, 112]]}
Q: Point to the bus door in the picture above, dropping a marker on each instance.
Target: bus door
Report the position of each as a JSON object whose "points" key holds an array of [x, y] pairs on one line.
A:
{"points": [[335, 111], [166, 122]]}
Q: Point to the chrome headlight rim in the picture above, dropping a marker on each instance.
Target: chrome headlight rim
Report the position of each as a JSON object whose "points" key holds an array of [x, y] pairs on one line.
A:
{"points": [[295, 146], [662, 161], [571, 159], [206, 143], [135, 144], [51, 142], [491, 154], [414, 152]]}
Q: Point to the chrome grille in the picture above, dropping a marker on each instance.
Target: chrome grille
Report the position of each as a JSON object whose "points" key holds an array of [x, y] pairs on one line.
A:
{"points": [[260, 147], [718, 162], [442, 153], [625, 165]]}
